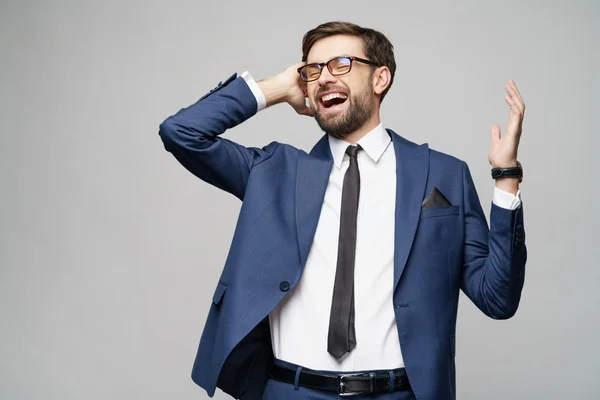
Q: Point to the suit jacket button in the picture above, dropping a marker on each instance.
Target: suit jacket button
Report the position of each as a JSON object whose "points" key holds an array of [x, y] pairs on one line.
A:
{"points": [[284, 286], [519, 230]]}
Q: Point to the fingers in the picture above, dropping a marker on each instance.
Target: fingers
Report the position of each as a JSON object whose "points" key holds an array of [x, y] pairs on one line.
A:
{"points": [[304, 89], [297, 65], [514, 86], [513, 107], [515, 111], [514, 98]]}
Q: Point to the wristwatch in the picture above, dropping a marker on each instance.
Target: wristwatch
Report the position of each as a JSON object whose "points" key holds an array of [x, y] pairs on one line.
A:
{"points": [[516, 172]]}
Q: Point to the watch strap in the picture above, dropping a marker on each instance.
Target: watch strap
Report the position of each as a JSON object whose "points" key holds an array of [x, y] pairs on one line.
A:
{"points": [[515, 172]]}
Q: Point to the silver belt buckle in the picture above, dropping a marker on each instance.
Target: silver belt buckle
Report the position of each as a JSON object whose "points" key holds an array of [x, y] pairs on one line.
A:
{"points": [[342, 384]]}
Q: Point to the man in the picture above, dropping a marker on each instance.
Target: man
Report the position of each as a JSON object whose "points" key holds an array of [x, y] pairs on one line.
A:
{"points": [[345, 268]]}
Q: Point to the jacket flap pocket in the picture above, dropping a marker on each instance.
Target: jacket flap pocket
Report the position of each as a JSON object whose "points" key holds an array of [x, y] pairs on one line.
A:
{"points": [[219, 292]]}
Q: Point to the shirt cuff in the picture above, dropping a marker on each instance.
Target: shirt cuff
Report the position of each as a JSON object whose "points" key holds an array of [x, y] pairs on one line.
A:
{"points": [[506, 200], [261, 101]]}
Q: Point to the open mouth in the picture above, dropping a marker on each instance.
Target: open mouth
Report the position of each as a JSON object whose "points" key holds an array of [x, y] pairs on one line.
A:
{"points": [[333, 99]]}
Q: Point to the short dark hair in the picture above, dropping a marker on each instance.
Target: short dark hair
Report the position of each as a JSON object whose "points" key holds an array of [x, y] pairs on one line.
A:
{"points": [[377, 47]]}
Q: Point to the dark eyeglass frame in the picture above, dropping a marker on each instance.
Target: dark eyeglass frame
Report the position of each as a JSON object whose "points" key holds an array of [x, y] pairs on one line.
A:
{"points": [[351, 59]]}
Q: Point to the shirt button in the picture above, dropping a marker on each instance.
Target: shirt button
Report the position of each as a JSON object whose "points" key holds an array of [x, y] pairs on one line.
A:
{"points": [[284, 286]]}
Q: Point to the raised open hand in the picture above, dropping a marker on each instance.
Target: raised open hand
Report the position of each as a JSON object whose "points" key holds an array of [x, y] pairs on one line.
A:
{"points": [[503, 149]]}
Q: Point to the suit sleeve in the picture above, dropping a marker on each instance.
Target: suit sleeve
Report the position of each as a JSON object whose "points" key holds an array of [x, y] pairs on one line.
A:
{"points": [[192, 136], [494, 259]]}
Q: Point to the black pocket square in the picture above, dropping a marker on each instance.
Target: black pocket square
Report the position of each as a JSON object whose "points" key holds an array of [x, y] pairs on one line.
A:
{"points": [[435, 199]]}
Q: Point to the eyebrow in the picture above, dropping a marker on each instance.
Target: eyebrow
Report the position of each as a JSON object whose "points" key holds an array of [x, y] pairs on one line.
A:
{"points": [[332, 58]]}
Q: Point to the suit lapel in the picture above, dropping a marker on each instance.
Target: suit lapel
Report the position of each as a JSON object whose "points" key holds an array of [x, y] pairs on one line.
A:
{"points": [[311, 182], [412, 167]]}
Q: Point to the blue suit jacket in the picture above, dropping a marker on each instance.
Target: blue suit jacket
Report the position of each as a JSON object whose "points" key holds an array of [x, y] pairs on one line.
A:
{"points": [[438, 251]]}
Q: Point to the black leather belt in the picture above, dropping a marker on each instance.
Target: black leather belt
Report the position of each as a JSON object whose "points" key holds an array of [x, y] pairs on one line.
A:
{"points": [[344, 384]]}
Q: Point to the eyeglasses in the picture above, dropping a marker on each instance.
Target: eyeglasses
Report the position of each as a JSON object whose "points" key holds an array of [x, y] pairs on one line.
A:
{"points": [[337, 66]]}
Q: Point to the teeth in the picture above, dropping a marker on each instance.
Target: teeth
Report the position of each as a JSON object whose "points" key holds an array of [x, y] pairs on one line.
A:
{"points": [[331, 96]]}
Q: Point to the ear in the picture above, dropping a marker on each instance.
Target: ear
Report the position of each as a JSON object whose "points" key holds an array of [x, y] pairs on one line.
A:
{"points": [[381, 79]]}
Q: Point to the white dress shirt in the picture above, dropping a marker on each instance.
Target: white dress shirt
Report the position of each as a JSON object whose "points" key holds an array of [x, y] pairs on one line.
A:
{"points": [[300, 323]]}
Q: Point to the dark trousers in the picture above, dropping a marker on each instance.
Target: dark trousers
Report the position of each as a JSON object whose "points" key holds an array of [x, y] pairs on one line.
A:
{"points": [[276, 390]]}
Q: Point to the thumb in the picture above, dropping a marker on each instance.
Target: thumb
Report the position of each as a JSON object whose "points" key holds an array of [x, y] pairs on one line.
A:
{"points": [[495, 133]]}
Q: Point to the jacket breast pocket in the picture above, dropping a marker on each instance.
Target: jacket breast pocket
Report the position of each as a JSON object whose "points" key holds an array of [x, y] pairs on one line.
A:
{"points": [[433, 212], [219, 292]]}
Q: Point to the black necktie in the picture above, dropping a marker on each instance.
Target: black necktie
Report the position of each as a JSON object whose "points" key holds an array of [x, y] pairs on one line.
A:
{"points": [[342, 338]]}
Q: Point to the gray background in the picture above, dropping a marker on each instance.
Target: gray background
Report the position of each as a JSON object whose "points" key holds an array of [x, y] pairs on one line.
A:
{"points": [[110, 250]]}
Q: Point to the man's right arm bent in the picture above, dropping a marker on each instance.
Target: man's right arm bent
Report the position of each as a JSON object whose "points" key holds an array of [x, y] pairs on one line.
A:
{"points": [[192, 135]]}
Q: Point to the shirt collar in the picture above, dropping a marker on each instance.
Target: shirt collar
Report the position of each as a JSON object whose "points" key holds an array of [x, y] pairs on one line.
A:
{"points": [[373, 143]]}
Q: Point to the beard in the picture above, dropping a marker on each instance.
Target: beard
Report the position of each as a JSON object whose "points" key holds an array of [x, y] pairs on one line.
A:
{"points": [[360, 109]]}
